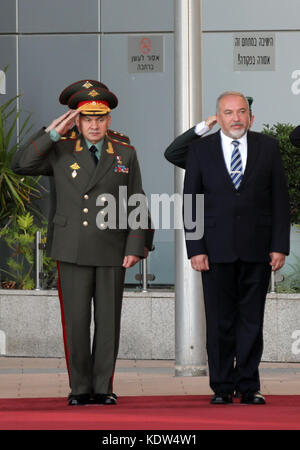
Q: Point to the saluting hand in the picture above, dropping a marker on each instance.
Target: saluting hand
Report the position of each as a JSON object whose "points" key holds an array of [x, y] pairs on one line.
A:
{"points": [[64, 123], [211, 121]]}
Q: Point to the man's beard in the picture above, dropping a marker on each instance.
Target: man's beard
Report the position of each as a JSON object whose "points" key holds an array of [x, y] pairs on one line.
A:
{"points": [[237, 134]]}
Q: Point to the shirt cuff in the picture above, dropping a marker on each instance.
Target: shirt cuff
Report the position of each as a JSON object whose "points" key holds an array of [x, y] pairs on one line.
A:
{"points": [[201, 128], [54, 135]]}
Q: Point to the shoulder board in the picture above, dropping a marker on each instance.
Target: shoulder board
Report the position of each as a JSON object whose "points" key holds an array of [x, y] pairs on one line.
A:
{"points": [[118, 136], [71, 135], [66, 138], [124, 144]]}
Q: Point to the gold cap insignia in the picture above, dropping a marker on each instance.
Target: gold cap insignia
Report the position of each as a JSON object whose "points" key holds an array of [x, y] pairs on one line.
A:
{"points": [[94, 107], [93, 93], [87, 85]]}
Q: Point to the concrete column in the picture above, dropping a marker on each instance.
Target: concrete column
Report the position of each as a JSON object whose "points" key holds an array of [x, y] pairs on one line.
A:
{"points": [[190, 351]]}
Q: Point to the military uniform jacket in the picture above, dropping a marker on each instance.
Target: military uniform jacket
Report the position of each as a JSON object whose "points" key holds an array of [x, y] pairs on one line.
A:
{"points": [[82, 191]]}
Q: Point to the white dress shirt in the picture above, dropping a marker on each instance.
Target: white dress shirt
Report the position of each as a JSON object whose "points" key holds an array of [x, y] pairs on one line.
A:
{"points": [[227, 146], [201, 128]]}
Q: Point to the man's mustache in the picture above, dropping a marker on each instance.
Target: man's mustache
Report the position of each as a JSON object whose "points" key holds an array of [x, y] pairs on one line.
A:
{"points": [[237, 123]]}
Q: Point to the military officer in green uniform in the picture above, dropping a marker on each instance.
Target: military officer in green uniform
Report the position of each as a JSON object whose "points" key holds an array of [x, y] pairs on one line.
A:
{"points": [[87, 169]]}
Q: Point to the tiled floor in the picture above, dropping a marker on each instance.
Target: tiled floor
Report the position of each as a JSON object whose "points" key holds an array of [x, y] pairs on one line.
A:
{"points": [[42, 377]]}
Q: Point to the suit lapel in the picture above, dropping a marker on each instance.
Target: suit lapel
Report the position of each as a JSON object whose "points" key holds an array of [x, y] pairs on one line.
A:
{"points": [[83, 156], [219, 160], [252, 154]]}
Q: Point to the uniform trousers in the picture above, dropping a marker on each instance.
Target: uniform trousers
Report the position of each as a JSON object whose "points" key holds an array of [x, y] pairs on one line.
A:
{"points": [[90, 365], [234, 296]]}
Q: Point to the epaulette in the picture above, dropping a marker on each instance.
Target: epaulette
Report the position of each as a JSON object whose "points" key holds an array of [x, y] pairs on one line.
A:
{"points": [[125, 144], [118, 136]]}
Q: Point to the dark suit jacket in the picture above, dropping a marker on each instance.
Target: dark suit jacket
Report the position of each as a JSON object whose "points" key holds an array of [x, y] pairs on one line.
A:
{"points": [[177, 152], [74, 235], [247, 223], [295, 136]]}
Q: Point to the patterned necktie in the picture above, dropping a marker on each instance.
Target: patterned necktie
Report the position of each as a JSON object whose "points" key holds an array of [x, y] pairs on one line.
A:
{"points": [[236, 171], [93, 151]]}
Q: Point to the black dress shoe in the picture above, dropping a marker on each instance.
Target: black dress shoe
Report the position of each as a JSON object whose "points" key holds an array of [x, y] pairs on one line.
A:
{"points": [[237, 394], [221, 399], [79, 399], [105, 399], [253, 398]]}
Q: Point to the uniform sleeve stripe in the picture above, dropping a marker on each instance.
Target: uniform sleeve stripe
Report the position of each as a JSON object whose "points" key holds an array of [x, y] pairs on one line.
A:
{"points": [[36, 149]]}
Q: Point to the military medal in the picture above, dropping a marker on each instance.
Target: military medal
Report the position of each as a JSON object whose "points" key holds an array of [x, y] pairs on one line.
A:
{"points": [[75, 167], [120, 167]]}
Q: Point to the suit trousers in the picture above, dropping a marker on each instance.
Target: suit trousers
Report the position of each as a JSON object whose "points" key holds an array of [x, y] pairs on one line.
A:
{"points": [[91, 367], [234, 296]]}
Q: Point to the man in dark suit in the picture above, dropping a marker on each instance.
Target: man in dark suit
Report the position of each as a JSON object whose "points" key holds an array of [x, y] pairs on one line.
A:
{"points": [[246, 233], [88, 171]]}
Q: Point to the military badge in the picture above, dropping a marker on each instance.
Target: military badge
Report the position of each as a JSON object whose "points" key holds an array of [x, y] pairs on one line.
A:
{"points": [[75, 167]]}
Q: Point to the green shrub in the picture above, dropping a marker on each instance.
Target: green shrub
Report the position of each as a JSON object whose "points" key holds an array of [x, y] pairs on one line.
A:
{"points": [[291, 163], [16, 191], [20, 237]]}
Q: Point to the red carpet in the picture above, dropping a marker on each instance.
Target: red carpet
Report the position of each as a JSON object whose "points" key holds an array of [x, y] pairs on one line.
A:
{"points": [[150, 413]]}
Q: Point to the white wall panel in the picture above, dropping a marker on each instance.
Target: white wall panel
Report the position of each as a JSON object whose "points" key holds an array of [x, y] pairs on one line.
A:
{"points": [[137, 15], [250, 15], [58, 16]]}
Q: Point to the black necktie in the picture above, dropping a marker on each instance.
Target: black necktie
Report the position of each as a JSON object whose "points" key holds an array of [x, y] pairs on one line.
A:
{"points": [[93, 151]]}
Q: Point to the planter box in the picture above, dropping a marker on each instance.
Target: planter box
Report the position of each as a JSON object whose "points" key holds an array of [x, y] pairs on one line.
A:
{"points": [[282, 328], [30, 325]]}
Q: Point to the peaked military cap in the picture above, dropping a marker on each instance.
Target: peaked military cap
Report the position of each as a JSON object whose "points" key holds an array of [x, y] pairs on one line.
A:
{"points": [[93, 101], [250, 101], [79, 86]]}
